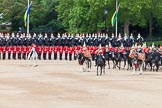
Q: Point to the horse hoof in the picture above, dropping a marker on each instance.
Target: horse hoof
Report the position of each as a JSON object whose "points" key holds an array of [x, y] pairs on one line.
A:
{"points": [[140, 73]]}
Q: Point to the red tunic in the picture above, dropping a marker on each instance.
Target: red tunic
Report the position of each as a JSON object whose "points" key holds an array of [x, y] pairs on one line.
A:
{"points": [[61, 50], [9, 49], [20, 49], [123, 50], [66, 49], [4, 49], [14, 49], [24, 49], [116, 49], [50, 50], [112, 49], [45, 49], [70, 50], [55, 50], [29, 49], [0, 49]]}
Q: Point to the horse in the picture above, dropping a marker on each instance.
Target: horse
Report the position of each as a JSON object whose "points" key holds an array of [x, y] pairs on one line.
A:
{"points": [[107, 55], [155, 61], [138, 63], [82, 60], [118, 59], [100, 62], [33, 55], [149, 58], [129, 59], [113, 59]]}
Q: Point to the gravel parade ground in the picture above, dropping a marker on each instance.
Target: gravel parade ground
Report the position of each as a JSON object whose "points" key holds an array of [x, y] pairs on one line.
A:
{"points": [[59, 84]]}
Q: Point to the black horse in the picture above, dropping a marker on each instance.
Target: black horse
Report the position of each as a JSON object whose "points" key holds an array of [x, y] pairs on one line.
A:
{"points": [[129, 60], [148, 61], [107, 55], [113, 59], [155, 60], [100, 62], [116, 57], [84, 60]]}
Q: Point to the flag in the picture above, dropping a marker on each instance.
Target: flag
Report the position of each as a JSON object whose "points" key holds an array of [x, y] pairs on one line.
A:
{"points": [[113, 19], [27, 13]]}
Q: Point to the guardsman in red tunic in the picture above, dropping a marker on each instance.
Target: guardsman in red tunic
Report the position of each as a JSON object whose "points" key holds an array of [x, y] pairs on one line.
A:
{"points": [[50, 52], [24, 51], [55, 52], [19, 52], [14, 52], [70, 51], [9, 52], [4, 50], [116, 49], [61, 50], [66, 52], [45, 50], [39, 50], [75, 51], [28, 50]]}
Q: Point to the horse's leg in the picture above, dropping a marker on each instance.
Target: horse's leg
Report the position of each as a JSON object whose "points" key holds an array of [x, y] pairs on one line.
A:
{"points": [[131, 65], [87, 66], [124, 64], [114, 64], [128, 65], [141, 68], [116, 61], [157, 67], [100, 70], [90, 64], [134, 69], [146, 63], [97, 70], [104, 69], [108, 63], [119, 64]]}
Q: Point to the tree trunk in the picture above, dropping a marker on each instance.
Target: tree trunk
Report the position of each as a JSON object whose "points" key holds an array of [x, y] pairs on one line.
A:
{"points": [[150, 27], [126, 27]]}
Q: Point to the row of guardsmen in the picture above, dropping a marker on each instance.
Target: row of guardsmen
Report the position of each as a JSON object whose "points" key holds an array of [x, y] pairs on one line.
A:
{"points": [[48, 52], [57, 52]]}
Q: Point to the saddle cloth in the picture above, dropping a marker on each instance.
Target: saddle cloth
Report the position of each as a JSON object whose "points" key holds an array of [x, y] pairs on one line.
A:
{"points": [[87, 54], [132, 54], [141, 56]]}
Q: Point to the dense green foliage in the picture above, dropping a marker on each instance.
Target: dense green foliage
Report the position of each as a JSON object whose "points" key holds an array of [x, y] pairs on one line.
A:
{"points": [[85, 16]]}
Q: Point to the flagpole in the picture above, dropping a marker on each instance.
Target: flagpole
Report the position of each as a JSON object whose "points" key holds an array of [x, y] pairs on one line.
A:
{"points": [[116, 29], [28, 21]]}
